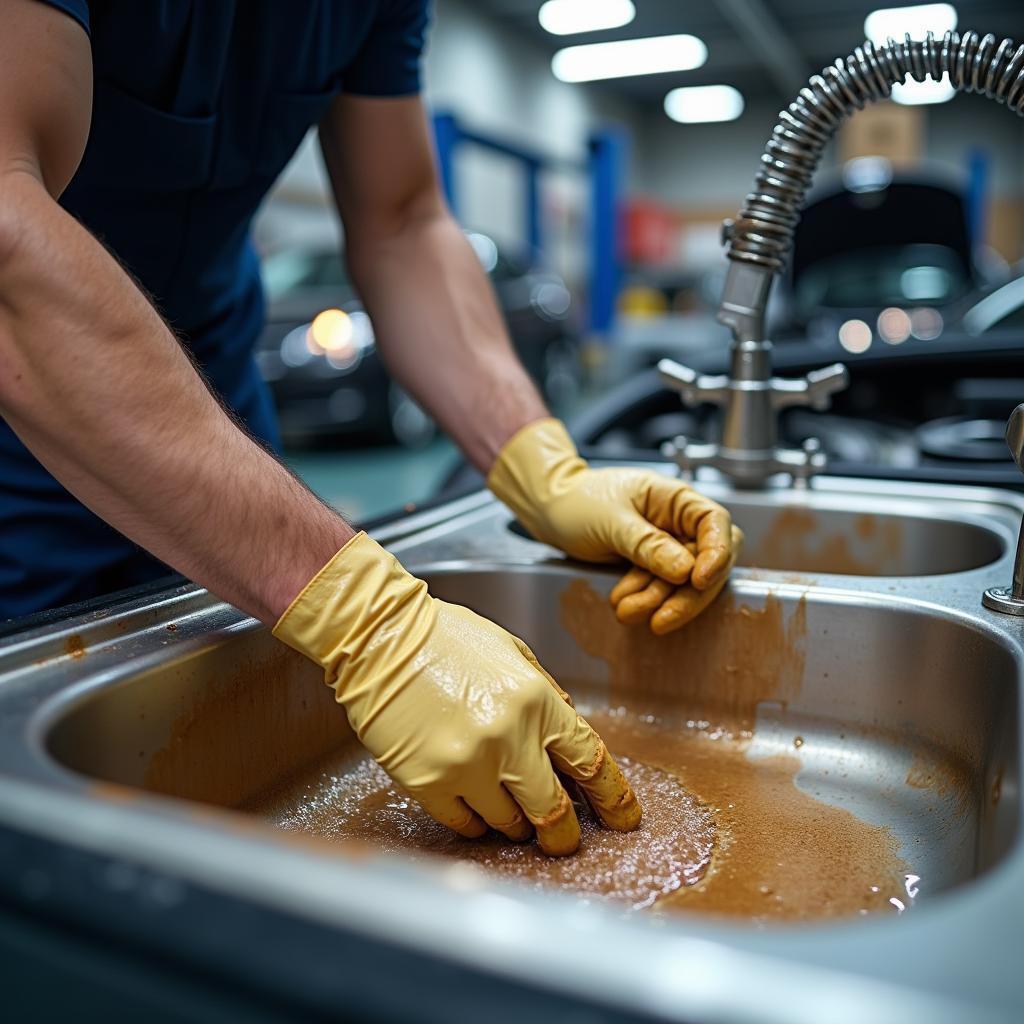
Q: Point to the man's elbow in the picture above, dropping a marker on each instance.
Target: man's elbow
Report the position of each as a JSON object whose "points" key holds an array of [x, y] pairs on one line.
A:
{"points": [[20, 195]]}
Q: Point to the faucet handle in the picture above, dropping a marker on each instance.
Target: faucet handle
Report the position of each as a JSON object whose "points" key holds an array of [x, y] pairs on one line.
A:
{"points": [[694, 388], [1015, 436], [815, 390], [824, 383]]}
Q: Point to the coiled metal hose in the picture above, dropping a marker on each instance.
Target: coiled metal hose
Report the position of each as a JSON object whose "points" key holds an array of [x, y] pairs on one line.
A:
{"points": [[762, 235]]}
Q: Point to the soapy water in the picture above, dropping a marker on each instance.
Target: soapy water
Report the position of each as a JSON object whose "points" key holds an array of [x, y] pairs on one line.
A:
{"points": [[673, 847]]}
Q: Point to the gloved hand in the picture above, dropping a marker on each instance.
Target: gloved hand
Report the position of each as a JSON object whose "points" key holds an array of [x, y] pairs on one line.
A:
{"points": [[456, 710], [601, 515], [641, 596]]}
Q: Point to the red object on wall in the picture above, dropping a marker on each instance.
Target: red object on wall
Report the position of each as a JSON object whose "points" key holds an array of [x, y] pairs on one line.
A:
{"points": [[651, 233]]}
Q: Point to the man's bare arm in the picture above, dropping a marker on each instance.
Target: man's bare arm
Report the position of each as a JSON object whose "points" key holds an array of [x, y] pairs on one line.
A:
{"points": [[94, 383], [434, 313]]}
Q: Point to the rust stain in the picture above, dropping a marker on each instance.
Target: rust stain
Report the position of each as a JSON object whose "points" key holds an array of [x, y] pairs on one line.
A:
{"points": [[172, 627], [265, 718], [722, 665], [74, 647], [796, 542]]}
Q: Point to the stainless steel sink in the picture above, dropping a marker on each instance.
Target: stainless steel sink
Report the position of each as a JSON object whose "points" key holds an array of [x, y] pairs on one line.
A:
{"points": [[903, 681]]}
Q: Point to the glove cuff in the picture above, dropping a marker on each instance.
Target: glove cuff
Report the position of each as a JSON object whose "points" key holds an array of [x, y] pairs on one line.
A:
{"points": [[337, 613], [530, 469]]}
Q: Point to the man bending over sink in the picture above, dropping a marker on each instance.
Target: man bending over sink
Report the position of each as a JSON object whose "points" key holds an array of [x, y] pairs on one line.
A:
{"points": [[122, 434]]}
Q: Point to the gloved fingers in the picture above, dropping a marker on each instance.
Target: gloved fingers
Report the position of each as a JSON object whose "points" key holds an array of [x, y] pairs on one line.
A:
{"points": [[452, 812], [715, 543], [541, 796], [632, 583], [683, 607], [532, 659], [645, 545], [581, 754], [686, 513], [687, 602], [500, 811], [640, 606]]}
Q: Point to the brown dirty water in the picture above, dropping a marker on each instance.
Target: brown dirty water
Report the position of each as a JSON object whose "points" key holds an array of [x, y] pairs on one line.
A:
{"points": [[722, 833]]}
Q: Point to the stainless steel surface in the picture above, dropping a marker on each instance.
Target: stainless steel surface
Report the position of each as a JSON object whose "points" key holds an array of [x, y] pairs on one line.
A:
{"points": [[98, 713], [761, 238], [1010, 600]]}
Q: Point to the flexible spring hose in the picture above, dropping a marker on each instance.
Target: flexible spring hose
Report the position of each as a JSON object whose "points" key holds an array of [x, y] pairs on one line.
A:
{"points": [[763, 232]]}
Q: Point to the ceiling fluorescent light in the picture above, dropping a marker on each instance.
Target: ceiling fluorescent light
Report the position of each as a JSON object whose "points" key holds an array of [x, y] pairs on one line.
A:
{"points": [[626, 57], [567, 17], [702, 104], [912, 93], [896, 22]]}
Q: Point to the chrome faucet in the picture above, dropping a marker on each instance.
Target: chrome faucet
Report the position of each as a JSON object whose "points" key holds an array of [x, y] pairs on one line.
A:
{"points": [[1010, 600], [749, 453], [761, 239]]}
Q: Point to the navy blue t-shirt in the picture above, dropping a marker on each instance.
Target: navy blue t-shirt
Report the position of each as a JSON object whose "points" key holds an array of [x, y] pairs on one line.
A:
{"points": [[198, 105]]}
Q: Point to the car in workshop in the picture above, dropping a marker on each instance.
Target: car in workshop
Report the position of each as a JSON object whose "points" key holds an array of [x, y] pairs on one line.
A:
{"points": [[318, 354], [882, 255]]}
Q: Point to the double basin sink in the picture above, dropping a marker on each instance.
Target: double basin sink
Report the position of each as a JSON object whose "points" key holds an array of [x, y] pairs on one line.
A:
{"points": [[851, 642]]}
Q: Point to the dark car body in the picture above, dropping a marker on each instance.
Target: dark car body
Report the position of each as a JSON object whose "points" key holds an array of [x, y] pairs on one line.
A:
{"points": [[321, 394], [876, 247]]}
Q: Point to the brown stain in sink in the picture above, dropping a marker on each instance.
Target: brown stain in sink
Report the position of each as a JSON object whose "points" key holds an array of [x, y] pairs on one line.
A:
{"points": [[74, 647], [728, 661], [796, 541], [247, 729]]}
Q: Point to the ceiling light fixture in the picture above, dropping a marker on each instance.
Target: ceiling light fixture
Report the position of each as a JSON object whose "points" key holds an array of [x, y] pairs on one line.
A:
{"points": [[917, 20], [626, 57], [703, 104], [913, 93], [567, 17]]}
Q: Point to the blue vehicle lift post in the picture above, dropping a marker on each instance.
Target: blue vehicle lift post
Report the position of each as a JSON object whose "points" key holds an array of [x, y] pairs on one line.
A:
{"points": [[605, 167]]}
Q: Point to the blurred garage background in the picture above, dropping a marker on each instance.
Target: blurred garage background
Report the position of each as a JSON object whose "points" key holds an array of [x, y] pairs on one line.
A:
{"points": [[592, 185]]}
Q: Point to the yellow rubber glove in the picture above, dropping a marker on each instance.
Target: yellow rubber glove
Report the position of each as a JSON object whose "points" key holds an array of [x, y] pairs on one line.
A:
{"points": [[601, 515], [455, 709], [641, 596]]}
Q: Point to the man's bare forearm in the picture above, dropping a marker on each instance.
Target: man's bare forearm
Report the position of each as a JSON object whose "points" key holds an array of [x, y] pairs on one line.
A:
{"points": [[440, 331], [99, 390]]}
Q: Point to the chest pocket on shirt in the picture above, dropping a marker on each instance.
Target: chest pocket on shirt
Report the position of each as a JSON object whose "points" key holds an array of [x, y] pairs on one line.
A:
{"points": [[133, 145], [289, 117]]}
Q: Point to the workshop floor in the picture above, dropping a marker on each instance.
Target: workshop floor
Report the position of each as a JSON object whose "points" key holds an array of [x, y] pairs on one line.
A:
{"points": [[366, 482]]}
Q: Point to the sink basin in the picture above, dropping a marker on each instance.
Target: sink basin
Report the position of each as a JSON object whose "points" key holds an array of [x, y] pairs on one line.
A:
{"points": [[906, 718], [882, 708]]}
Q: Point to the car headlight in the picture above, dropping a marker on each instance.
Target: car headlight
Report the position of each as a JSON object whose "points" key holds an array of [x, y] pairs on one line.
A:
{"points": [[340, 337]]}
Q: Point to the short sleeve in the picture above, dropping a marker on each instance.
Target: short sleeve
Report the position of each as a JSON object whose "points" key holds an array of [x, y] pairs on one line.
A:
{"points": [[388, 63], [77, 9]]}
